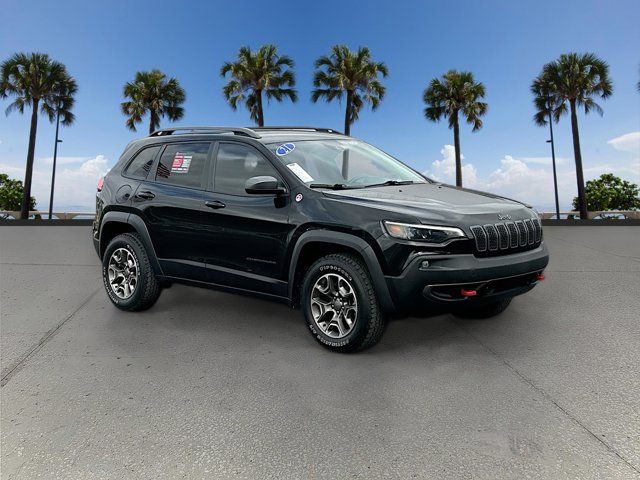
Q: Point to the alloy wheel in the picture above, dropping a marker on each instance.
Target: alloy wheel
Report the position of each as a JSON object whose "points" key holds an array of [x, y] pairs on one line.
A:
{"points": [[334, 305], [123, 273]]}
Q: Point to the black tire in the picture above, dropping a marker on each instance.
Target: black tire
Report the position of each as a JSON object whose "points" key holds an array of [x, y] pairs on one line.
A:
{"points": [[483, 310], [147, 288], [368, 327]]}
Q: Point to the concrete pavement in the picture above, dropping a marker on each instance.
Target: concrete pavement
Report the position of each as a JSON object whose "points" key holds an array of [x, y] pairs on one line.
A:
{"points": [[212, 385]]}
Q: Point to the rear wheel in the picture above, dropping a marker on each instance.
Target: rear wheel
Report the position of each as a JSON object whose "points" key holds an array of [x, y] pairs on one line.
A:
{"points": [[127, 274], [340, 305], [484, 310]]}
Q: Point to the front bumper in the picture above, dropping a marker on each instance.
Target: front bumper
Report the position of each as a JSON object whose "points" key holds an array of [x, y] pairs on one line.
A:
{"points": [[439, 279]]}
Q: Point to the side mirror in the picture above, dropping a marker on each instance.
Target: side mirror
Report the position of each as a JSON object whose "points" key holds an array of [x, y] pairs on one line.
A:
{"points": [[264, 185]]}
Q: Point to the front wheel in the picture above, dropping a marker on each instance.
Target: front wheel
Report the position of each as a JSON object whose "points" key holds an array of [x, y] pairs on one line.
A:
{"points": [[340, 305], [485, 310]]}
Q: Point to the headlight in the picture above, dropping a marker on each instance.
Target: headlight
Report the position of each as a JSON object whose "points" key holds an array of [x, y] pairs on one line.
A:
{"points": [[423, 233]]}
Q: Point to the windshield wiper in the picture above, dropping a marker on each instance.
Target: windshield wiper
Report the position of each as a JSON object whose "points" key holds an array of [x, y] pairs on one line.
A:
{"points": [[332, 186], [391, 182]]}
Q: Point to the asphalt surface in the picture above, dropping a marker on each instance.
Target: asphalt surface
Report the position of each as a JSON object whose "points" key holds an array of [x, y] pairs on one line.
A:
{"points": [[212, 385]]}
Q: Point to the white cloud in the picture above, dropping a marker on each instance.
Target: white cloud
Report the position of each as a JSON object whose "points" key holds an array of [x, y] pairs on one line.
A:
{"points": [[544, 160], [75, 182], [445, 170], [629, 142], [528, 179], [534, 185], [63, 160]]}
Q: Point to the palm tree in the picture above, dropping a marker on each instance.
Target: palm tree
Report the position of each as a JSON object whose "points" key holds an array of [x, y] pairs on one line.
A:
{"points": [[63, 104], [576, 79], [255, 73], [352, 72], [455, 93], [546, 103], [152, 93], [37, 81]]}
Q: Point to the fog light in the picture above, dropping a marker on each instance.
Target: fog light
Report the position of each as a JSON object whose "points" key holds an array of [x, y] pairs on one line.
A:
{"points": [[424, 265]]}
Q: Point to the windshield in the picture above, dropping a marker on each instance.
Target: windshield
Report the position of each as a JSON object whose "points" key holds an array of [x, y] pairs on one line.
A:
{"points": [[342, 163]]}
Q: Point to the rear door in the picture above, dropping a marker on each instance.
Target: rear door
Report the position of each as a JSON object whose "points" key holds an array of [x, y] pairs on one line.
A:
{"points": [[246, 234], [171, 201]]}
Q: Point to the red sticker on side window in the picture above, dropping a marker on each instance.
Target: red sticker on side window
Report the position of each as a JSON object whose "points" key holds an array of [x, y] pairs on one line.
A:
{"points": [[181, 163]]}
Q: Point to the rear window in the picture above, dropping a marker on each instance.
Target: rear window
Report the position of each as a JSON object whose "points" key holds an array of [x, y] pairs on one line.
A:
{"points": [[183, 164], [141, 164]]}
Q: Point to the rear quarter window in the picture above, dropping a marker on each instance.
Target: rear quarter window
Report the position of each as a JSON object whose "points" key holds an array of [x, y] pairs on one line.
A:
{"points": [[141, 164]]}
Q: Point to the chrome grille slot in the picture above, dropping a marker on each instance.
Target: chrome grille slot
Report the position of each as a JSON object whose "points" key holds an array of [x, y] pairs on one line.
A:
{"points": [[492, 236], [538, 228], [513, 234], [522, 233], [480, 236], [503, 236], [531, 233]]}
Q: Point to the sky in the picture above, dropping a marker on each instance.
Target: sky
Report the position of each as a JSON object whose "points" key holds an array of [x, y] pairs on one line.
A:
{"points": [[504, 43]]}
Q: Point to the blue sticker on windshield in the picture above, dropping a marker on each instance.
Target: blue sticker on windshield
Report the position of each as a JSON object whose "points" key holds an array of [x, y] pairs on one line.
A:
{"points": [[285, 149]]}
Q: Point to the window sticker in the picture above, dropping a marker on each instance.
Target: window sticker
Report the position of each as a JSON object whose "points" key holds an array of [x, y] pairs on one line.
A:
{"points": [[181, 163], [285, 149], [300, 172]]}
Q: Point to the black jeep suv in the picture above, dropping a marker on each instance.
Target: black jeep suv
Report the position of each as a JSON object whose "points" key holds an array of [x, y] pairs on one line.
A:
{"points": [[311, 217]]}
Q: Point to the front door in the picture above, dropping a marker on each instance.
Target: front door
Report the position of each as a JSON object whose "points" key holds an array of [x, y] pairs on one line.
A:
{"points": [[172, 204], [247, 233]]}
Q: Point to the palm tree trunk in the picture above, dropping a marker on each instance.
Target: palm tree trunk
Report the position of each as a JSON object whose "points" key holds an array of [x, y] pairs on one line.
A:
{"points": [[26, 194], [347, 131], [582, 201], [347, 113], [456, 143], [153, 122], [260, 111]]}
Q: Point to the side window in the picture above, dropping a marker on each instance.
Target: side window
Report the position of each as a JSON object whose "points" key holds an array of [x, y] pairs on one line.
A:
{"points": [[141, 164], [235, 164], [183, 164]]}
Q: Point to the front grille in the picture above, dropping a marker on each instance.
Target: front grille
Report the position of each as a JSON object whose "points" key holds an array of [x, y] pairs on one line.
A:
{"points": [[507, 237]]}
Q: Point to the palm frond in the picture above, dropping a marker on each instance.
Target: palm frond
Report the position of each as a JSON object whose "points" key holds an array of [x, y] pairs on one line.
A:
{"points": [[36, 78], [152, 93], [452, 94], [343, 71], [263, 70]]}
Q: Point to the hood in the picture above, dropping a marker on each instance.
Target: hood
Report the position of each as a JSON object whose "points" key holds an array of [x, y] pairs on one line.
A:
{"points": [[435, 202]]}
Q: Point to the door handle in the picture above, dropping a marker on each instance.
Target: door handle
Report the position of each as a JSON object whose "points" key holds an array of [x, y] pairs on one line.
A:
{"points": [[145, 195], [215, 204]]}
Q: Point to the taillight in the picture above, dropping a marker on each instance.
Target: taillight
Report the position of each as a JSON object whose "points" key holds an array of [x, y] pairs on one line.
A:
{"points": [[100, 184]]}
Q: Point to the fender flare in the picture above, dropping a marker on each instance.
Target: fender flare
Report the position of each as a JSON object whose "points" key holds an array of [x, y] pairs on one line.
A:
{"points": [[351, 241], [141, 229]]}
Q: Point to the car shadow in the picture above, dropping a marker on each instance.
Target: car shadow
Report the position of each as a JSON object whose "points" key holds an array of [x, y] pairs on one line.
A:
{"points": [[254, 321]]}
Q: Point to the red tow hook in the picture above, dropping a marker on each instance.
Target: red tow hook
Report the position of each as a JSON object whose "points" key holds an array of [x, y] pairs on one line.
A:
{"points": [[540, 277], [468, 293]]}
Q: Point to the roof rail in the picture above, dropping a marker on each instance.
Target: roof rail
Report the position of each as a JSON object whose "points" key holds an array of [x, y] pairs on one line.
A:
{"points": [[186, 130], [310, 129]]}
